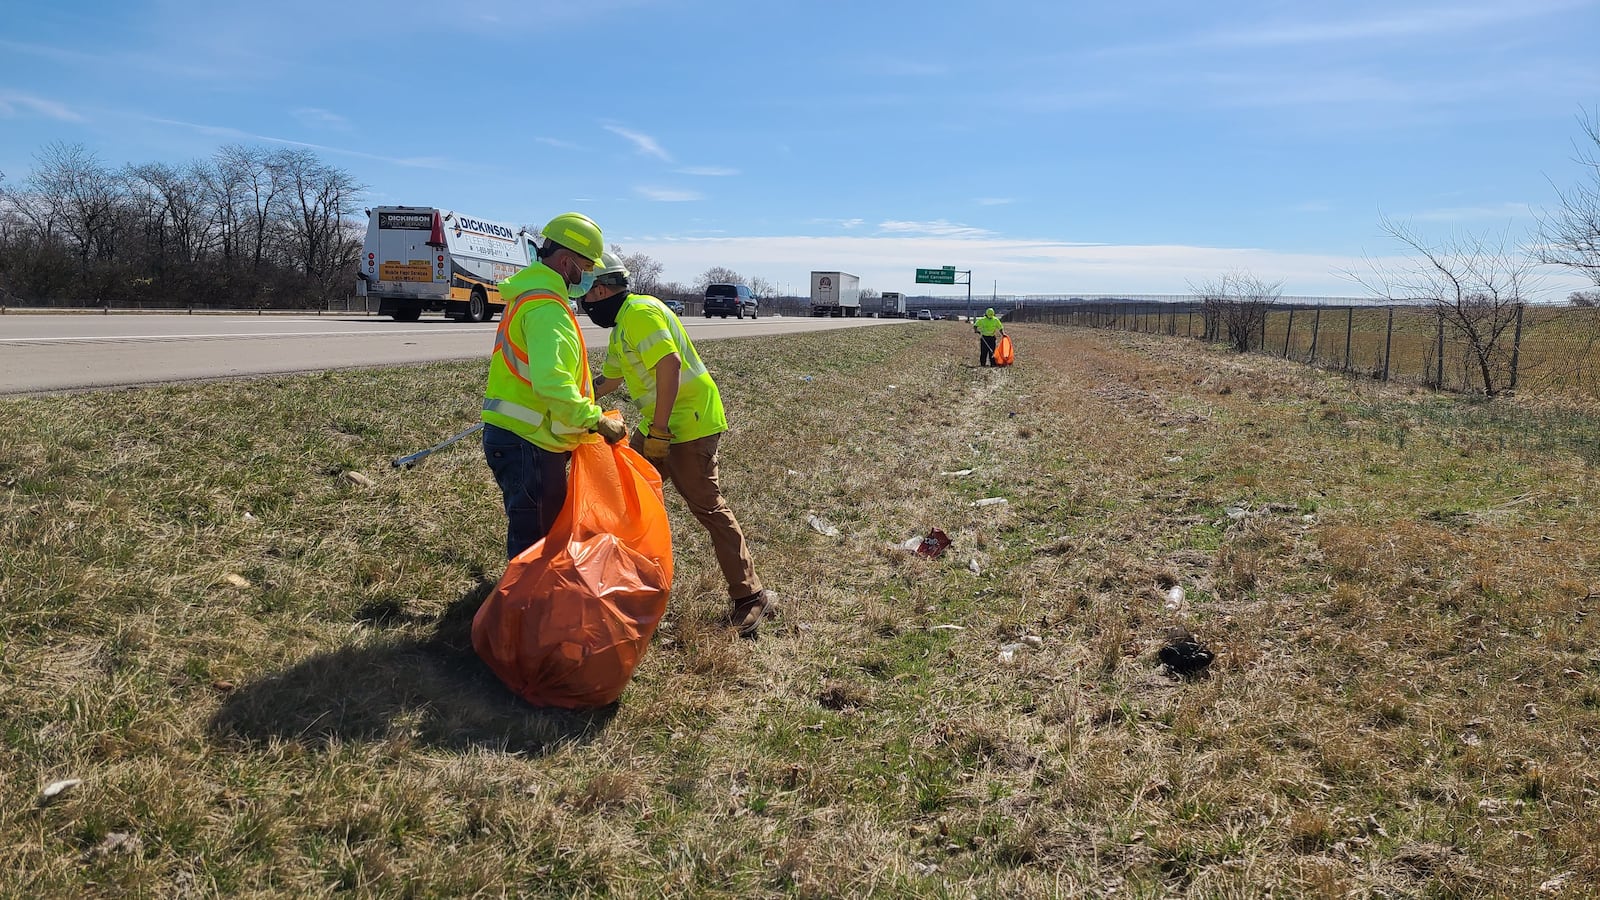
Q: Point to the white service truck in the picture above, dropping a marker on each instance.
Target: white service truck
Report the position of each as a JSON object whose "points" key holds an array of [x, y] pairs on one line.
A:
{"points": [[419, 258], [892, 305], [835, 294]]}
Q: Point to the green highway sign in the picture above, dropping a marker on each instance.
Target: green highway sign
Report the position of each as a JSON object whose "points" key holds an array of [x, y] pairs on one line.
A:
{"points": [[946, 275]]}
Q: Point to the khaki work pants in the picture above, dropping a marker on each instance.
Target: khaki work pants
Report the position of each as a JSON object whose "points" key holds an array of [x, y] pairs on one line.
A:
{"points": [[692, 468]]}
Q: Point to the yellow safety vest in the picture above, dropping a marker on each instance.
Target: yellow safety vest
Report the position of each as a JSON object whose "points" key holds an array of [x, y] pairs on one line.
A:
{"points": [[987, 326], [539, 386], [647, 332]]}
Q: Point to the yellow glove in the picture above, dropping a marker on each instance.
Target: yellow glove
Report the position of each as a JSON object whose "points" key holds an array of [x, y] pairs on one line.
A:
{"points": [[611, 429], [656, 447]]}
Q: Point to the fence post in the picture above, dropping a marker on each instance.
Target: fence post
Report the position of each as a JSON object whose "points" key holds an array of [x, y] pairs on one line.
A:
{"points": [[1188, 320], [1388, 341], [1438, 364], [1349, 323], [1265, 312], [1316, 327], [1516, 348], [1288, 330]]}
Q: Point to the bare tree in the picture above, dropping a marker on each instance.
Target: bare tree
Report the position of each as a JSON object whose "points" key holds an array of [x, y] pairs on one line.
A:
{"points": [[1475, 285], [762, 287], [322, 239], [717, 275], [1235, 303], [1571, 236], [1585, 299], [644, 272]]}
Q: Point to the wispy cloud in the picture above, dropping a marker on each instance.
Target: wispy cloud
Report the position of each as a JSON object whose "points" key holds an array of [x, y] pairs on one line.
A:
{"points": [[711, 171], [994, 201], [15, 103], [223, 131], [312, 117], [938, 227], [644, 143], [1383, 25], [839, 223], [668, 195], [557, 142]]}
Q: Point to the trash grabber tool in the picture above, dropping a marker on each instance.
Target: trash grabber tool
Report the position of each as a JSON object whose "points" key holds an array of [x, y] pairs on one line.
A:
{"points": [[406, 462]]}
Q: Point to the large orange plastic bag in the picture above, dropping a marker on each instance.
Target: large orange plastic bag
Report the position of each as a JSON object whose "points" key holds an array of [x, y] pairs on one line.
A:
{"points": [[573, 614], [1004, 353]]}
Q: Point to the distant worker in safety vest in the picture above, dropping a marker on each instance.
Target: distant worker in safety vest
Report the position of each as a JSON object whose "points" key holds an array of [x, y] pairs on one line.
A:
{"points": [[539, 403], [989, 330], [681, 420]]}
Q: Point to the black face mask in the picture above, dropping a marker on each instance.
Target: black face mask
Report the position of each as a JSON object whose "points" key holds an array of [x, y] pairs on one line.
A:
{"points": [[604, 312]]}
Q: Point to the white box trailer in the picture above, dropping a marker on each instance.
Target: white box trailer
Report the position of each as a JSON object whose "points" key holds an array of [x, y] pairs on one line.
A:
{"points": [[835, 294], [419, 258], [892, 305]]}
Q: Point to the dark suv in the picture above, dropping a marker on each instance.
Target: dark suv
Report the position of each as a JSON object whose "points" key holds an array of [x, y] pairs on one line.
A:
{"points": [[729, 299]]}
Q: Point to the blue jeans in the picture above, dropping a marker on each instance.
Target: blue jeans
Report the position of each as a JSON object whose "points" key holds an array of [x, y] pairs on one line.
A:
{"points": [[533, 484]]}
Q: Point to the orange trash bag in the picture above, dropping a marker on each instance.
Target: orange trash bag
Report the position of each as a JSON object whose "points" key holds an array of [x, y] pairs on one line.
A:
{"points": [[572, 615], [1004, 353]]}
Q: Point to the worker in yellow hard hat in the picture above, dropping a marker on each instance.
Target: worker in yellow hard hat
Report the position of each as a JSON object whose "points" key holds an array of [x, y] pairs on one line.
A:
{"points": [[989, 330], [539, 403], [681, 420]]}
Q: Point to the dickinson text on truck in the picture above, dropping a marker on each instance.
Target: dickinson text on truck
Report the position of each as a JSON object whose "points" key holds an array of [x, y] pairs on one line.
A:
{"points": [[419, 258]]}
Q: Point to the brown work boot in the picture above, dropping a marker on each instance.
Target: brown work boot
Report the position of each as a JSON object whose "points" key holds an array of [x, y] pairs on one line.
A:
{"points": [[747, 613]]}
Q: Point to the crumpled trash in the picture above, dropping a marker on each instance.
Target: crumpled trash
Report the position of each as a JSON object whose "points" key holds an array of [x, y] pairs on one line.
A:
{"points": [[933, 544], [821, 526], [990, 501], [959, 473], [1174, 597], [972, 566]]}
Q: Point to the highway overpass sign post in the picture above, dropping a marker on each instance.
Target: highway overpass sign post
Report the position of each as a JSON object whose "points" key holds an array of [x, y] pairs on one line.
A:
{"points": [[947, 275]]}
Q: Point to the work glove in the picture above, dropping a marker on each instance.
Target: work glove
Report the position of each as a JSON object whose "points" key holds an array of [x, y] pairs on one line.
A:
{"points": [[656, 447], [611, 429]]}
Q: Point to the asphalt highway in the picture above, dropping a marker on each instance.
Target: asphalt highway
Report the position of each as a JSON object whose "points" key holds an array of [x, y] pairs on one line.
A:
{"points": [[44, 353]]}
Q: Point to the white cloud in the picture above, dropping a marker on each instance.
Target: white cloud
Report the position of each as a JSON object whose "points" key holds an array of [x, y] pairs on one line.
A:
{"points": [[668, 195], [644, 143], [13, 102], [312, 117], [710, 171], [994, 201], [223, 131], [938, 227], [1004, 265]]}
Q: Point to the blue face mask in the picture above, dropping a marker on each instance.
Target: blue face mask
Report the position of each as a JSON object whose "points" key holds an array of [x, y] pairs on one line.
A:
{"points": [[582, 287]]}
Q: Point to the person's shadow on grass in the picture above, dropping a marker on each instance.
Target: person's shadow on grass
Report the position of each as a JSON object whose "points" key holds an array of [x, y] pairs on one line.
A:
{"points": [[432, 690]]}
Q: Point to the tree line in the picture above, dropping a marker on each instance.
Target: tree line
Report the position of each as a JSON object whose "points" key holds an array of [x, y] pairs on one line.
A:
{"points": [[249, 226]]}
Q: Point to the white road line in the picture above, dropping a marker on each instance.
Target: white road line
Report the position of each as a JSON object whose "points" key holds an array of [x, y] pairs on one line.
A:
{"points": [[259, 334]]}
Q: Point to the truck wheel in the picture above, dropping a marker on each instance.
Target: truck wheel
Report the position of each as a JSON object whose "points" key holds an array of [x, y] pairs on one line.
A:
{"points": [[708, 313], [406, 315], [752, 314], [477, 307], [739, 312]]}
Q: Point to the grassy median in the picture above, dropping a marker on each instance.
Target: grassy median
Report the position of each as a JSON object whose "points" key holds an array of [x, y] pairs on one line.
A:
{"points": [[257, 665]]}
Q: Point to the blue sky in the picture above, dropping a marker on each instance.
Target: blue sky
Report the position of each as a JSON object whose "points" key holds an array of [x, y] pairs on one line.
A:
{"points": [[1136, 147]]}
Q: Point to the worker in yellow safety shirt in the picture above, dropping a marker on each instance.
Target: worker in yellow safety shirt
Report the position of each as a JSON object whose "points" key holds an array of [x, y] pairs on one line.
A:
{"points": [[681, 420], [539, 403], [989, 330]]}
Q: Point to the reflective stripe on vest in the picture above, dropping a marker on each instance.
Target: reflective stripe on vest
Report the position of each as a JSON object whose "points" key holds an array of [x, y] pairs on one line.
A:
{"points": [[513, 411], [516, 359]]}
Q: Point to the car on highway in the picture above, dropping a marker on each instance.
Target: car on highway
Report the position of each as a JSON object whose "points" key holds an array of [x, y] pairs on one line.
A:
{"points": [[674, 305], [729, 300], [926, 315]]}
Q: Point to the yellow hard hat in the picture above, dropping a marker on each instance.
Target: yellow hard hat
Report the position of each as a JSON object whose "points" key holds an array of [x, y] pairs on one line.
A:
{"points": [[989, 311], [578, 233]]}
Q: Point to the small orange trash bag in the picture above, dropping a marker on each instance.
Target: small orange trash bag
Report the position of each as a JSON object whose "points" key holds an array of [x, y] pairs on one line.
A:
{"points": [[1004, 353], [573, 614]]}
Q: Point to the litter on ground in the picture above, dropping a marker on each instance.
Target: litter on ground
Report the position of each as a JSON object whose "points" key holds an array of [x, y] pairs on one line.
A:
{"points": [[989, 501], [821, 526]]}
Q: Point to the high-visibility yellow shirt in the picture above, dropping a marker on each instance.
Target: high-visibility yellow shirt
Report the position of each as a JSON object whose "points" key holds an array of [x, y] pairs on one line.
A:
{"points": [[539, 386], [988, 326], [647, 332]]}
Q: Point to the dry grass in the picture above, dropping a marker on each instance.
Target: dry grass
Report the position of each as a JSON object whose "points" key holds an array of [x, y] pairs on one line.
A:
{"points": [[260, 668]]}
